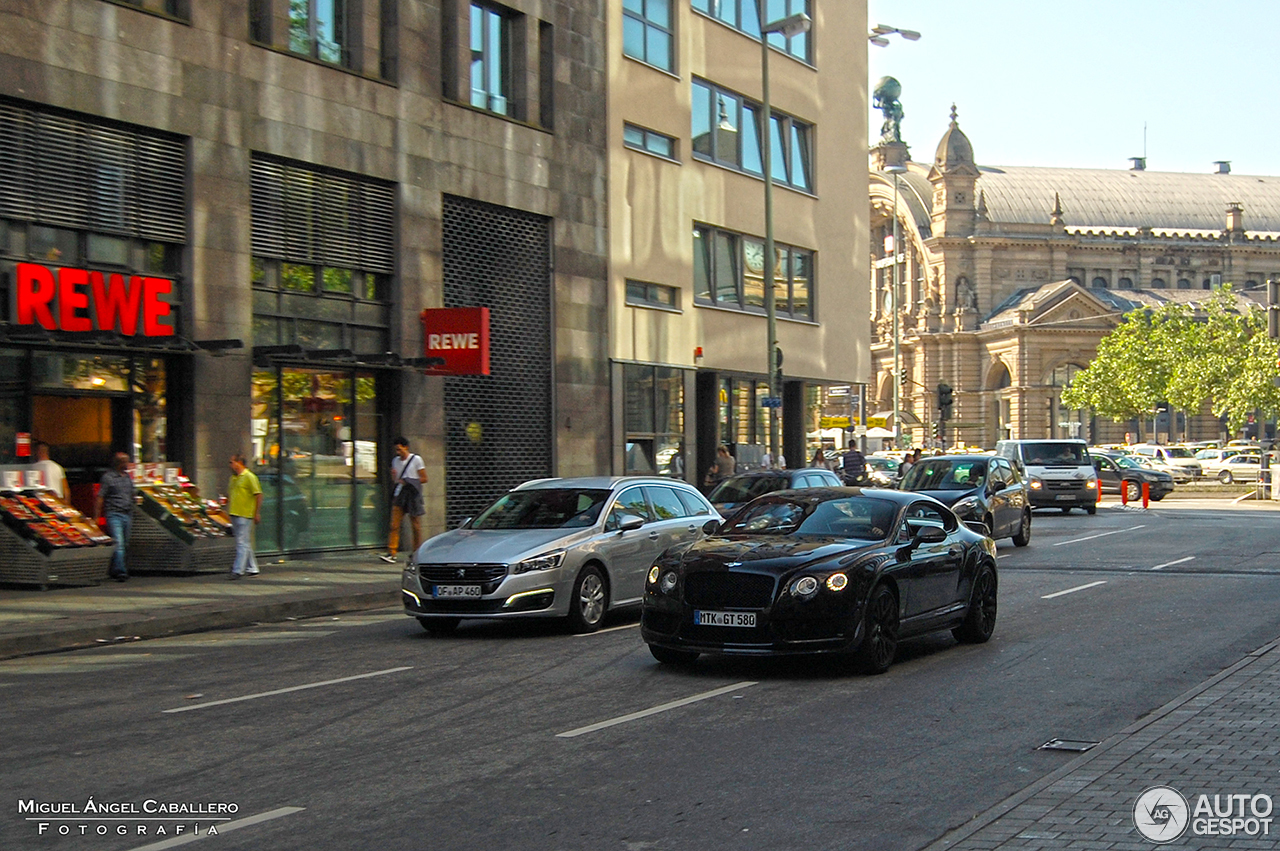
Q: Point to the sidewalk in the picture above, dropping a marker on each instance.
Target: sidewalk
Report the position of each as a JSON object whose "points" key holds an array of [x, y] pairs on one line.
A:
{"points": [[33, 621], [1217, 740]]}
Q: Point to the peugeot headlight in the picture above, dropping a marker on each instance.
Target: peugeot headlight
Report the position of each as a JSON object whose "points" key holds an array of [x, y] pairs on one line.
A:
{"points": [[967, 507], [542, 562]]}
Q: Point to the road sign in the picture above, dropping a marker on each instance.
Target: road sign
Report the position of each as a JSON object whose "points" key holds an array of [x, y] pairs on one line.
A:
{"points": [[833, 422], [877, 422]]}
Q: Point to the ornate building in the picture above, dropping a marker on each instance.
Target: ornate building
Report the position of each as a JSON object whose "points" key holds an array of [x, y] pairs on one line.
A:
{"points": [[1009, 277]]}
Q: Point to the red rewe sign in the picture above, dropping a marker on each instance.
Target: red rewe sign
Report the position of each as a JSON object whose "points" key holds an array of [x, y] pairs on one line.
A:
{"points": [[80, 300], [460, 336]]}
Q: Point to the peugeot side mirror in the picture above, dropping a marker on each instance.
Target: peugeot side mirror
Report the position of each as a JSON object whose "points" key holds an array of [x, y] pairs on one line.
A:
{"points": [[630, 522]]}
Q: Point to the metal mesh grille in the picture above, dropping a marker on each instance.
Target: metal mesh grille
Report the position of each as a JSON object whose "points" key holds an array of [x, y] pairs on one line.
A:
{"points": [[498, 426]]}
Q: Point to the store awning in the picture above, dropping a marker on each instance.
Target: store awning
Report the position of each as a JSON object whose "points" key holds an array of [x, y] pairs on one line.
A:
{"points": [[33, 336], [293, 354]]}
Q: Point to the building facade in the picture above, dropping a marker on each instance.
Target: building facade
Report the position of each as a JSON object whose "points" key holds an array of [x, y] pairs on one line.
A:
{"points": [[220, 221], [688, 341], [1009, 277]]}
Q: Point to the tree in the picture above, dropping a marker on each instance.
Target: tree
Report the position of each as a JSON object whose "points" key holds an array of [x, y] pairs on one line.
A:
{"points": [[1217, 353]]}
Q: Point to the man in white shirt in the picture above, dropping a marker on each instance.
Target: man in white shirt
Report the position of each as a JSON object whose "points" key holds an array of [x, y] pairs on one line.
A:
{"points": [[408, 478], [54, 476]]}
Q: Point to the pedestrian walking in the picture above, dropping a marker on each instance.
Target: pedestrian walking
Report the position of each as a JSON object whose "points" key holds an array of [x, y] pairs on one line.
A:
{"points": [[409, 476], [722, 467], [244, 504], [54, 476], [853, 466], [115, 503]]}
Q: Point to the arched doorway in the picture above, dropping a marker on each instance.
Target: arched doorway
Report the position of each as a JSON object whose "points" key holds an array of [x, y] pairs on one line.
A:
{"points": [[1065, 422]]}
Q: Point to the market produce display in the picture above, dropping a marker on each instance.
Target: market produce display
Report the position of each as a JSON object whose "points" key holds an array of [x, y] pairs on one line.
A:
{"points": [[48, 521]]}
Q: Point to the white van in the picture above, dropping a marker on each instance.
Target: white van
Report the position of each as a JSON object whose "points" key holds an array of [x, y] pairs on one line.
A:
{"points": [[1060, 473]]}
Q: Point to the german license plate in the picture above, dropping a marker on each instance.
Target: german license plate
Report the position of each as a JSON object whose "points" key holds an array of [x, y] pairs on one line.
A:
{"points": [[445, 591], [1063, 497], [724, 618]]}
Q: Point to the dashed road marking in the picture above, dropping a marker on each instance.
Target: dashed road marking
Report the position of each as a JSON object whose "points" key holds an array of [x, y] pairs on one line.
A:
{"points": [[645, 713], [1073, 590]]}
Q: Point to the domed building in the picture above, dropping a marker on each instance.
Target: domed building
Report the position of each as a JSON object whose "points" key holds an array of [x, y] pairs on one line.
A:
{"points": [[1009, 277]]}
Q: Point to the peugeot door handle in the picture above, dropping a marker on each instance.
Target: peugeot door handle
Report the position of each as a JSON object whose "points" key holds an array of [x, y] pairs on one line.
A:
{"points": [[653, 536]]}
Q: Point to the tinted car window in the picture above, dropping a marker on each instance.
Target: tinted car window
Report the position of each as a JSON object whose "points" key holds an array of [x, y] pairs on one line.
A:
{"points": [[747, 488], [666, 505], [549, 508], [946, 475], [694, 506], [850, 517]]}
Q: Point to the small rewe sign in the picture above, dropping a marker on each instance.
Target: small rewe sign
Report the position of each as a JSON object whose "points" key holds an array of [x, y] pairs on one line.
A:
{"points": [[69, 299], [460, 337]]}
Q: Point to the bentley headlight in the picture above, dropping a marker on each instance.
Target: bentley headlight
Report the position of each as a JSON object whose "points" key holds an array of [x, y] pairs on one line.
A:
{"points": [[837, 582], [804, 587], [970, 506], [668, 583], [653, 574], [542, 562]]}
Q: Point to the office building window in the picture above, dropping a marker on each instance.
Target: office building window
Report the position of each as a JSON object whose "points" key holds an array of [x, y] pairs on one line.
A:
{"points": [[648, 141], [729, 271], [490, 59], [744, 16], [643, 294], [647, 33], [726, 131], [318, 28]]}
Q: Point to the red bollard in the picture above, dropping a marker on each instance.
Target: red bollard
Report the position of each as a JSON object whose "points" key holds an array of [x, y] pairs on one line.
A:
{"points": [[1146, 494], [1124, 492]]}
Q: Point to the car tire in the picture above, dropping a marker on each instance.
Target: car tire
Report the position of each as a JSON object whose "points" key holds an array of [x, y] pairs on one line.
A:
{"points": [[1225, 477], [589, 600], [879, 632], [980, 621], [1023, 536], [1091, 509], [1156, 498], [1133, 490], [440, 626], [668, 656]]}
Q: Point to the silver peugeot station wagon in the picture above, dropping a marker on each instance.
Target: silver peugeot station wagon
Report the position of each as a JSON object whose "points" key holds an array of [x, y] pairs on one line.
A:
{"points": [[571, 548]]}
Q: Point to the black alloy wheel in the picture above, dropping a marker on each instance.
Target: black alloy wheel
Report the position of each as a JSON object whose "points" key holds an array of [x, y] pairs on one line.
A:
{"points": [[669, 656], [980, 621], [589, 601], [880, 632], [440, 626], [1022, 537]]}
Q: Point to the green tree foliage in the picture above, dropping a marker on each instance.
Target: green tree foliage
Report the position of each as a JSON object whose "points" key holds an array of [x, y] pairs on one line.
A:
{"points": [[1217, 353]]}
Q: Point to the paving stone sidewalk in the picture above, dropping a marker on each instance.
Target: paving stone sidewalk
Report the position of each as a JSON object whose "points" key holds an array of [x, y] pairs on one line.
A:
{"points": [[1220, 738]]}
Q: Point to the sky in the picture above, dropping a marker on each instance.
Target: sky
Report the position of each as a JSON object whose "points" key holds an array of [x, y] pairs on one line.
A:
{"points": [[1072, 83]]}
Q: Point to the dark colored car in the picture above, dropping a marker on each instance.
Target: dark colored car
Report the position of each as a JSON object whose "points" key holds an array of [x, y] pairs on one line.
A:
{"points": [[739, 489], [827, 570], [1116, 470], [979, 488]]}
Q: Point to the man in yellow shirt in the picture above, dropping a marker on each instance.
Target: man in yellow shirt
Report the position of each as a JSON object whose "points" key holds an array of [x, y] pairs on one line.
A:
{"points": [[245, 507]]}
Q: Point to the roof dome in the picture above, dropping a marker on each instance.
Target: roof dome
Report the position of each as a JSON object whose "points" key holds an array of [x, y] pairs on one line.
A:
{"points": [[954, 151]]}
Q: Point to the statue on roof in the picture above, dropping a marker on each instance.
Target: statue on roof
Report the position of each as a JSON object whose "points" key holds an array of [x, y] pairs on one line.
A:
{"points": [[885, 98]]}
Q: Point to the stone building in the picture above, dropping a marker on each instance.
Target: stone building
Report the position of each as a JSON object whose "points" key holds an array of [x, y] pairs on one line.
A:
{"points": [[1009, 277]]}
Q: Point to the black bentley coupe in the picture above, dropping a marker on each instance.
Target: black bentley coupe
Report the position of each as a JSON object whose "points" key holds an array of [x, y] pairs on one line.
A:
{"points": [[822, 570]]}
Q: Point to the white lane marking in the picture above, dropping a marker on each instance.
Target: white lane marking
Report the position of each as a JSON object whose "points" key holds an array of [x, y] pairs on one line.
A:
{"points": [[1172, 563], [1101, 535], [1073, 590], [675, 704], [222, 828], [287, 690], [610, 629]]}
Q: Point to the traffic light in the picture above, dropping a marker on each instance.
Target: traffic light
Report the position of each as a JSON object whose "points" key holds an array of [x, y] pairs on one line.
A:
{"points": [[1273, 309], [937, 429], [944, 400], [902, 376]]}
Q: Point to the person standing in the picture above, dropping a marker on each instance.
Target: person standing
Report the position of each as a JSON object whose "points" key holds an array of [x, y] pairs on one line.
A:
{"points": [[722, 467], [409, 477], [115, 502], [54, 476], [244, 504], [854, 466]]}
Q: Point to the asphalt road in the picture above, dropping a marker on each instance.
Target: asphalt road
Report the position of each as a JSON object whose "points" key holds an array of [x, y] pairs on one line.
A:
{"points": [[363, 731]]}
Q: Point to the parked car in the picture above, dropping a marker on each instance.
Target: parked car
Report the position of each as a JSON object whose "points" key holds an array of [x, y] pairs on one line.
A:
{"points": [[571, 548], [1243, 467], [977, 488], [739, 489], [1170, 456], [1118, 472], [1210, 458], [831, 570], [1180, 475]]}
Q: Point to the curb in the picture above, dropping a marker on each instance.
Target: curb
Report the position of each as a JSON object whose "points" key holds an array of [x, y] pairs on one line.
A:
{"points": [[959, 834], [130, 627]]}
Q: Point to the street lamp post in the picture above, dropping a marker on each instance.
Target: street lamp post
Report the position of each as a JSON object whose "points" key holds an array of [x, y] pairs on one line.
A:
{"points": [[789, 26]]}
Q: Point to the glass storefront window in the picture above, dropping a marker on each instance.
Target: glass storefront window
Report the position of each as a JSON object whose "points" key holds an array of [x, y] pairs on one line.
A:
{"points": [[80, 372], [150, 418], [654, 420]]}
